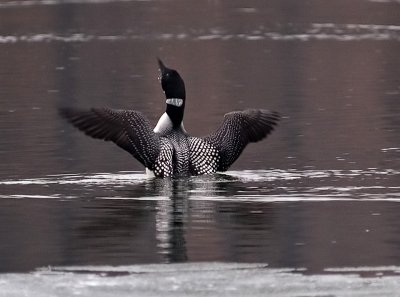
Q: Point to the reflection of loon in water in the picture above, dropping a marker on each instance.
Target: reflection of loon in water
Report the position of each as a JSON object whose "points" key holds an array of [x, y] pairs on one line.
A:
{"points": [[169, 150], [173, 215]]}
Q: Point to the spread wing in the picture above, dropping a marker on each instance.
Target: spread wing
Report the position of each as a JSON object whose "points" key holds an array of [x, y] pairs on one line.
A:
{"points": [[238, 129], [128, 129]]}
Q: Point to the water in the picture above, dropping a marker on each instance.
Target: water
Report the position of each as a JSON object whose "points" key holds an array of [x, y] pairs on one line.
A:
{"points": [[319, 196]]}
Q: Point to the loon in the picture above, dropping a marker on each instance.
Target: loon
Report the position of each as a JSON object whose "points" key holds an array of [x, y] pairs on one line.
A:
{"points": [[168, 150]]}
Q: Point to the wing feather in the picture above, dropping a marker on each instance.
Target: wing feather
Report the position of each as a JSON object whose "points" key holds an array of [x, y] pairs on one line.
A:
{"points": [[129, 129], [238, 129]]}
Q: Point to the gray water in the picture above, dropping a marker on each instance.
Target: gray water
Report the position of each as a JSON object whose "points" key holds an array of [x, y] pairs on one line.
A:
{"points": [[321, 194]]}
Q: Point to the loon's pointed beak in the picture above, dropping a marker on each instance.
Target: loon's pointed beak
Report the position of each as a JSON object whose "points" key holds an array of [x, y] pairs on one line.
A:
{"points": [[162, 66]]}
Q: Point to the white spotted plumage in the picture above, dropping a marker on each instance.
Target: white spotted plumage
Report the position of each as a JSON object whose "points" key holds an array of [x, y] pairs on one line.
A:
{"points": [[204, 157]]}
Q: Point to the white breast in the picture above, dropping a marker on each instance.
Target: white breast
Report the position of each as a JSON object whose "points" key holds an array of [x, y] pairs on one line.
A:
{"points": [[164, 124]]}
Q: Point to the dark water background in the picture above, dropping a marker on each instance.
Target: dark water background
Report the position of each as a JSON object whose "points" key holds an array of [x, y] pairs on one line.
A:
{"points": [[322, 191]]}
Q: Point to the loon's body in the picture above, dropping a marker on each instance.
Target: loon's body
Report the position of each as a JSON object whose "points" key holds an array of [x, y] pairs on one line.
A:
{"points": [[168, 150]]}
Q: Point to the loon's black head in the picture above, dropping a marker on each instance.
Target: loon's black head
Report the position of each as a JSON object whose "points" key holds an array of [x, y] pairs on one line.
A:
{"points": [[174, 90]]}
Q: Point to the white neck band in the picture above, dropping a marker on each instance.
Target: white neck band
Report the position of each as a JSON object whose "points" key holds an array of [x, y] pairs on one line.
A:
{"points": [[175, 101]]}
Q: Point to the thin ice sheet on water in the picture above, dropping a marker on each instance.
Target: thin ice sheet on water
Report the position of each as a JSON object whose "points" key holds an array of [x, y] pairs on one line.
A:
{"points": [[192, 279]]}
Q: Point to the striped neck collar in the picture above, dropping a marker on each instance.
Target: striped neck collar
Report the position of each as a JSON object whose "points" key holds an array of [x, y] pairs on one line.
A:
{"points": [[178, 102]]}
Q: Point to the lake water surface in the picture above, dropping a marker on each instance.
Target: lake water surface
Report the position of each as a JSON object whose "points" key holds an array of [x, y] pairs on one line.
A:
{"points": [[321, 194]]}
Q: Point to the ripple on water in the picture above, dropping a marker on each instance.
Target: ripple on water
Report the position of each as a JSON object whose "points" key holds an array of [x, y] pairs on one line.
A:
{"points": [[246, 186], [27, 3], [316, 31]]}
